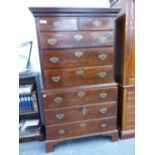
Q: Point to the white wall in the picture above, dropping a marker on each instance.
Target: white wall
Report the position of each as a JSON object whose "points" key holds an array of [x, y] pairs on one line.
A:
{"points": [[27, 29]]}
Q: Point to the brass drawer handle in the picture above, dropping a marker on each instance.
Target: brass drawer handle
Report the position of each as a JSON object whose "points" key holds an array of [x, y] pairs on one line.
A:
{"points": [[102, 39], [57, 24], [79, 72], [103, 95], [78, 37], [58, 100], [97, 23], [78, 53], [103, 125], [44, 95], [103, 110], [84, 111], [83, 125], [52, 41], [102, 74], [61, 131], [81, 94], [56, 78], [102, 56], [60, 116], [54, 59]]}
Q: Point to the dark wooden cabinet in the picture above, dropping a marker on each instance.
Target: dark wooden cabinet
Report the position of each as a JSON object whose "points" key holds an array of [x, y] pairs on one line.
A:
{"points": [[76, 47], [31, 113], [125, 66]]}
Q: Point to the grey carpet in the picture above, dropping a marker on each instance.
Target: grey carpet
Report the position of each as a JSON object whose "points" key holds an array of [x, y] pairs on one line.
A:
{"points": [[97, 145]]}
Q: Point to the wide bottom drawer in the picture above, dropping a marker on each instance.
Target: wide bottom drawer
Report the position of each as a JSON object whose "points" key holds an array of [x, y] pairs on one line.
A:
{"points": [[80, 128]]}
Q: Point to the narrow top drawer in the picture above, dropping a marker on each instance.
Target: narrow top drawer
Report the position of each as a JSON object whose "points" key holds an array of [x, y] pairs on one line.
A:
{"points": [[56, 24], [96, 23], [71, 24]]}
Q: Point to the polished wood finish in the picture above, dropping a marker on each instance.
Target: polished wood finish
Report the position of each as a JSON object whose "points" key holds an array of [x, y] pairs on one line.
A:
{"points": [[71, 24], [125, 59], [56, 24], [73, 12], [78, 113], [77, 63], [68, 39], [72, 96], [68, 58], [80, 128], [78, 76], [96, 23], [125, 65], [126, 110]]}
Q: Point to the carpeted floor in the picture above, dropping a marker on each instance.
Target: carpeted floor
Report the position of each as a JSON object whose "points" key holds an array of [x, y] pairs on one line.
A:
{"points": [[97, 145]]}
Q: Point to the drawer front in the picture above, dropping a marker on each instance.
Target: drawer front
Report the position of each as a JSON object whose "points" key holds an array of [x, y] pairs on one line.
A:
{"points": [[131, 94], [80, 128], [78, 76], [56, 24], [56, 116], [130, 121], [77, 58], [130, 126], [76, 96], [96, 23], [75, 39], [130, 107]]}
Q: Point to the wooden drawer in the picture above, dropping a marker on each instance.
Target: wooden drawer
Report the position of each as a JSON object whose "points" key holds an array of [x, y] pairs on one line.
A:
{"points": [[130, 117], [77, 58], [96, 23], [56, 24], [130, 107], [126, 109], [69, 114], [130, 123], [131, 94], [78, 76], [78, 96], [130, 126], [80, 128], [75, 39]]}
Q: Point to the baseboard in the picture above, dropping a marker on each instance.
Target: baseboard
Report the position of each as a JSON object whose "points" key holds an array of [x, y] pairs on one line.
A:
{"points": [[126, 134]]}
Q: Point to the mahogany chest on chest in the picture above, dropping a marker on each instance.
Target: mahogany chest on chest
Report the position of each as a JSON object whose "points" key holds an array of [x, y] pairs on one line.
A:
{"points": [[76, 48]]}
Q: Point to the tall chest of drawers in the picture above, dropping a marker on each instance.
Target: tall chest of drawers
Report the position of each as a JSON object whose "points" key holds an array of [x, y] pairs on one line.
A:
{"points": [[76, 48]]}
